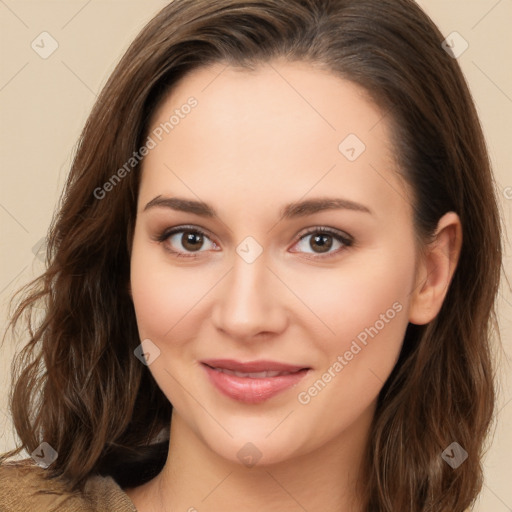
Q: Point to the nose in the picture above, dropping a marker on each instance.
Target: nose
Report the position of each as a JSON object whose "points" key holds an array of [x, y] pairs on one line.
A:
{"points": [[249, 302]]}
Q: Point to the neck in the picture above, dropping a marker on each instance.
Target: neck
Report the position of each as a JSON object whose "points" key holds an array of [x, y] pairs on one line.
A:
{"points": [[196, 478]]}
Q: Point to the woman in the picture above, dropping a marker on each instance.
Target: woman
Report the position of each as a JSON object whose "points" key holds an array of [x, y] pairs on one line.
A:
{"points": [[281, 220]]}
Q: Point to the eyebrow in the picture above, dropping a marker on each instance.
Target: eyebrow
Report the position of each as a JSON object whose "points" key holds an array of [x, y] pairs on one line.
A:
{"points": [[292, 210]]}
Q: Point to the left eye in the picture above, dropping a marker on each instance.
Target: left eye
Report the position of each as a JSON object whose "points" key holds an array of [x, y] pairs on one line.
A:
{"points": [[321, 241]]}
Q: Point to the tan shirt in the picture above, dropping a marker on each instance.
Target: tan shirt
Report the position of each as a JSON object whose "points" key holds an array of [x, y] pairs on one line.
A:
{"points": [[23, 488]]}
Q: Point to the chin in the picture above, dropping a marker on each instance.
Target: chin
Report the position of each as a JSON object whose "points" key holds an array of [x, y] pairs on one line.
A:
{"points": [[254, 446]]}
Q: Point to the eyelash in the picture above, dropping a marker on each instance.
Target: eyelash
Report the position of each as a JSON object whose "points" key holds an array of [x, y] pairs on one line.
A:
{"points": [[345, 240]]}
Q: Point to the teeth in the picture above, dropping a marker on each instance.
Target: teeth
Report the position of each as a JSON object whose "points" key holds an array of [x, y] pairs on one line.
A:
{"points": [[253, 375]]}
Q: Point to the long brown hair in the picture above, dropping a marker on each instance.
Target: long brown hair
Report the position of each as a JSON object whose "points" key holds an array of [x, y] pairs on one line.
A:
{"points": [[77, 384]]}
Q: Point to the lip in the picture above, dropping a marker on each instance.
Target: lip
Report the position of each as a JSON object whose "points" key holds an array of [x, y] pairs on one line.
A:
{"points": [[252, 389]]}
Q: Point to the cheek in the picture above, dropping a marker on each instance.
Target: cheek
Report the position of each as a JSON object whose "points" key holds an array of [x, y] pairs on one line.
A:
{"points": [[364, 293], [162, 294], [367, 310]]}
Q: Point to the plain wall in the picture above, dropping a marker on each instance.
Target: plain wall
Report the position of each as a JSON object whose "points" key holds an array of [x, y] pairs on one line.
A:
{"points": [[44, 104]]}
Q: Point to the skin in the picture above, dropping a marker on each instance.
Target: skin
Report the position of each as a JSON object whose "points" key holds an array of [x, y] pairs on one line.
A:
{"points": [[256, 141]]}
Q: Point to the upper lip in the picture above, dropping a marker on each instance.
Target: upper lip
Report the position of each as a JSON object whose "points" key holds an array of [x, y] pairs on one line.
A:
{"points": [[252, 366]]}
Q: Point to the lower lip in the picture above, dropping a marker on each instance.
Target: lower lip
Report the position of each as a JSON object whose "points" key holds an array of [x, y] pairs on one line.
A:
{"points": [[252, 391]]}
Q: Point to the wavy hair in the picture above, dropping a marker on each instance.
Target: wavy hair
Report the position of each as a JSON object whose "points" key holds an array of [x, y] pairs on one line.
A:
{"points": [[76, 382]]}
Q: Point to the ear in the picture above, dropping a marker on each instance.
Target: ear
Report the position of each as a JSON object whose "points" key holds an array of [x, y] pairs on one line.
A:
{"points": [[435, 270]]}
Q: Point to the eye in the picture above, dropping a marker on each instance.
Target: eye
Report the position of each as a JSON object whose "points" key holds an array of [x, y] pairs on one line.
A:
{"points": [[321, 240], [183, 241]]}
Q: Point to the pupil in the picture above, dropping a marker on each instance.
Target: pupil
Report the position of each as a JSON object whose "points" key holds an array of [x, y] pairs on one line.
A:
{"points": [[192, 241], [324, 242]]}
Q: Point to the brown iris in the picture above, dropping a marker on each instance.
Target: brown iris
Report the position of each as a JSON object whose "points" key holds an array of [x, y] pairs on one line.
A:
{"points": [[192, 241], [322, 241]]}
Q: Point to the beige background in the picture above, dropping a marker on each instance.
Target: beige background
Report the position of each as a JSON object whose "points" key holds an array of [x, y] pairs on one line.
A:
{"points": [[44, 104]]}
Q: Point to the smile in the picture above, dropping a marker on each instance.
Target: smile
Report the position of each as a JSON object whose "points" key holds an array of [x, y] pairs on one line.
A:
{"points": [[252, 375], [252, 382]]}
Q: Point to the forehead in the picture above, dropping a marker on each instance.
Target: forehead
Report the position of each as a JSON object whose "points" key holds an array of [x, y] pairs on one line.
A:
{"points": [[283, 128], [311, 103]]}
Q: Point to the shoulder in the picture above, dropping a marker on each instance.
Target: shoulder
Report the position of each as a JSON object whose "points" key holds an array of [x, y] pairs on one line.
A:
{"points": [[25, 486]]}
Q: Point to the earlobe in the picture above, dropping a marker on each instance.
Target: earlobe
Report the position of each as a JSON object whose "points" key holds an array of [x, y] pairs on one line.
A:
{"points": [[436, 269]]}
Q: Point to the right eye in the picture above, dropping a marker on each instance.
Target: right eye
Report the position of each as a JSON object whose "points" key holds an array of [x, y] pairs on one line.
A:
{"points": [[183, 241]]}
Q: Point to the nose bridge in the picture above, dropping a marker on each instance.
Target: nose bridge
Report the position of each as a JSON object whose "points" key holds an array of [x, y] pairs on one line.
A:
{"points": [[248, 303]]}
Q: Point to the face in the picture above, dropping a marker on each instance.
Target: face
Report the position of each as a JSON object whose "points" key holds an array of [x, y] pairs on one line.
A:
{"points": [[273, 258]]}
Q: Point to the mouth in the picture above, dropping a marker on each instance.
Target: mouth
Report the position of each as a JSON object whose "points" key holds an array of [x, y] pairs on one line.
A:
{"points": [[252, 382]]}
